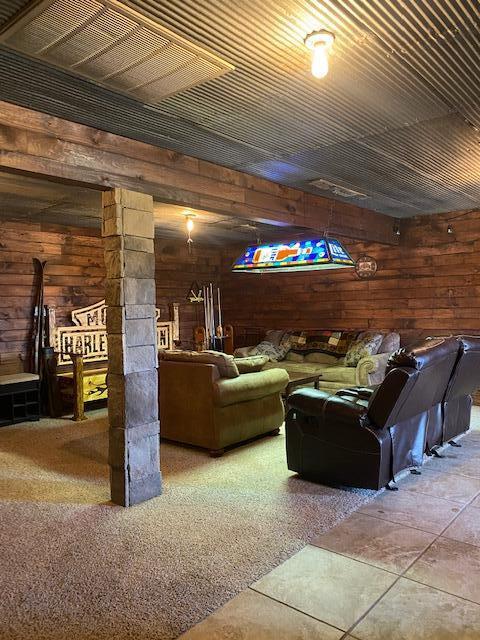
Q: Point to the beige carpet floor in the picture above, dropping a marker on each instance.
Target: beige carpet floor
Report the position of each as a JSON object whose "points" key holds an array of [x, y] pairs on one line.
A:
{"points": [[73, 566]]}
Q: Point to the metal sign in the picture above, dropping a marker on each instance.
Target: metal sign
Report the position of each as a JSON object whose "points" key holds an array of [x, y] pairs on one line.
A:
{"points": [[89, 335], [366, 266]]}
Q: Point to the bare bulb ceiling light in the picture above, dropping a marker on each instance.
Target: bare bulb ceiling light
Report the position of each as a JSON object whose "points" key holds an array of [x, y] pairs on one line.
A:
{"points": [[189, 223], [320, 42]]}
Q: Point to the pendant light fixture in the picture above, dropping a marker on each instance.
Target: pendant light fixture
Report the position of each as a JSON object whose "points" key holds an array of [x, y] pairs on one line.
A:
{"points": [[320, 42], [298, 255]]}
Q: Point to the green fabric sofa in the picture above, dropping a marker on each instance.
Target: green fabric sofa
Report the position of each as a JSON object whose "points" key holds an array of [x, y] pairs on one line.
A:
{"points": [[205, 402], [334, 375]]}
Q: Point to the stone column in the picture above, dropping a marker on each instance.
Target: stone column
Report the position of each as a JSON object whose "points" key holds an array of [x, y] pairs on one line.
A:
{"points": [[128, 230]]}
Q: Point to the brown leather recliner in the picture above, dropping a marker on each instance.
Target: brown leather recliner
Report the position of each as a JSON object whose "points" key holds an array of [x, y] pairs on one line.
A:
{"points": [[451, 417], [364, 439]]}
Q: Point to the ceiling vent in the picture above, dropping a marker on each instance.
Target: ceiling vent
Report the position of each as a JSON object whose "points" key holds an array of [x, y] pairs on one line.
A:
{"points": [[337, 189], [112, 45]]}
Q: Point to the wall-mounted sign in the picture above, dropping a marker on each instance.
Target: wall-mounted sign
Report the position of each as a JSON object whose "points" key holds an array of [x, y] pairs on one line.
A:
{"points": [[366, 266], [89, 335]]}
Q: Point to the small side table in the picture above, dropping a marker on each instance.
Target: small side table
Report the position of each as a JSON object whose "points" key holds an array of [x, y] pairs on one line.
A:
{"points": [[301, 380]]}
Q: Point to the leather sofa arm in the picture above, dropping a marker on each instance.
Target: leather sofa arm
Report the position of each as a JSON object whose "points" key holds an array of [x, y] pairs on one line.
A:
{"points": [[249, 386], [328, 409], [356, 394], [371, 370]]}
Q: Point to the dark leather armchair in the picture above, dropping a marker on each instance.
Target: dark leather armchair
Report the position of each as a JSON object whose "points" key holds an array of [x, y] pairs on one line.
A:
{"points": [[451, 417], [364, 437]]}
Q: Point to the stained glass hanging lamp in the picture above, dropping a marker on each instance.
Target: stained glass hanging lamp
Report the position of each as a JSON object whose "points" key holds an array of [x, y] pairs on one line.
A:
{"points": [[298, 255]]}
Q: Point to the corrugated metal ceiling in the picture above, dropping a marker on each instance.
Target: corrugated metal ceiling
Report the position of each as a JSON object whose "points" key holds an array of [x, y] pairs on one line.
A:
{"points": [[397, 118], [111, 45], [8, 8]]}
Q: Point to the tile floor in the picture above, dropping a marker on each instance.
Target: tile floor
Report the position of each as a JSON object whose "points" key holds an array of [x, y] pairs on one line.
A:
{"points": [[404, 567]]}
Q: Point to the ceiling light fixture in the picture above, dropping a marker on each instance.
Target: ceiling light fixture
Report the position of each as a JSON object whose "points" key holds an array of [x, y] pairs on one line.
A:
{"points": [[297, 255], [320, 42], [189, 217]]}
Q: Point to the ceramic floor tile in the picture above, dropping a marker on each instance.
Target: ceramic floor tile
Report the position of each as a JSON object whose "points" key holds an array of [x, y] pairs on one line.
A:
{"points": [[466, 527], [253, 616], [469, 450], [413, 509], [412, 611], [459, 461], [325, 585], [386, 545], [457, 488], [471, 439], [451, 566], [476, 503]]}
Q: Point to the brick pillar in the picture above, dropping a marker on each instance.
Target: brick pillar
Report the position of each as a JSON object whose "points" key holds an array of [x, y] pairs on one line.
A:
{"points": [[128, 230]]}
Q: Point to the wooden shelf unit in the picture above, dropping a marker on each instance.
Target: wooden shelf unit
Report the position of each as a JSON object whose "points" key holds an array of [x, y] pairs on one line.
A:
{"points": [[19, 402]]}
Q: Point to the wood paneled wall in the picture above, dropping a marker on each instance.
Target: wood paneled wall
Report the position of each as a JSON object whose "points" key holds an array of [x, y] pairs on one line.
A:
{"points": [[74, 277], [430, 284], [175, 271]]}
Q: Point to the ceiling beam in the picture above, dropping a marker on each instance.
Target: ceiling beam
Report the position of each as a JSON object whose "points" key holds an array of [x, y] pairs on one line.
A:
{"points": [[52, 148]]}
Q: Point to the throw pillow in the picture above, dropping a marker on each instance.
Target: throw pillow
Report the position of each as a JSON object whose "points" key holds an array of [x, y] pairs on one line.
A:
{"points": [[367, 345], [268, 349], [390, 343], [274, 336], [225, 363], [251, 364]]}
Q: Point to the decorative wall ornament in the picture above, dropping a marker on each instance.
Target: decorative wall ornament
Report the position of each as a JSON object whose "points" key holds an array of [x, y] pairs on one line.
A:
{"points": [[195, 293], [366, 266], [88, 336]]}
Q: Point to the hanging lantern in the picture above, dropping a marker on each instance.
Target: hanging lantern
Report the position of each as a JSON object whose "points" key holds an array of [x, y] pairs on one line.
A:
{"points": [[298, 255]]}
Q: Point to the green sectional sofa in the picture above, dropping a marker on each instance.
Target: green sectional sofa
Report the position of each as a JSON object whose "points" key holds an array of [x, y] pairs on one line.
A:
{"points": [[312, 357]]}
